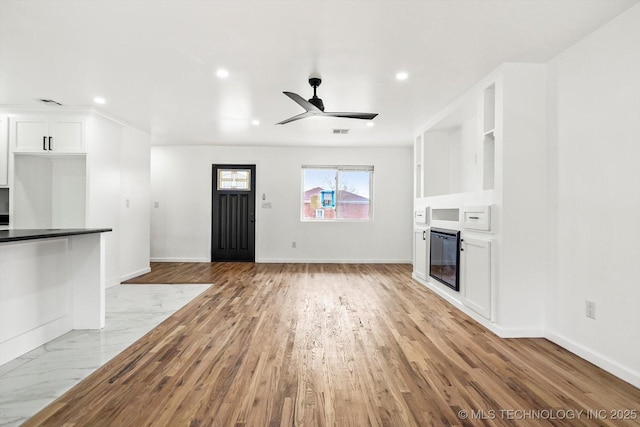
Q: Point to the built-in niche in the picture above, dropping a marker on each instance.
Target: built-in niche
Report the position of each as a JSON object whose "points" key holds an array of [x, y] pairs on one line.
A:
{"points": [[489, 139], [417, 155], [49, 191], [446, 214], [450, 153]]}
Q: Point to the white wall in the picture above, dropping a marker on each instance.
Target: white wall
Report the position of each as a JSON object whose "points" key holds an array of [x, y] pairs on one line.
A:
{"points": [[103, 190], [181, 224], [135, 196], [594, 123], [520, 188]]}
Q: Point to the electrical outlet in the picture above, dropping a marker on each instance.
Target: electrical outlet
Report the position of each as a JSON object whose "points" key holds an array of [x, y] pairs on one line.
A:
{"points": [[591, 309], [294, 245]]}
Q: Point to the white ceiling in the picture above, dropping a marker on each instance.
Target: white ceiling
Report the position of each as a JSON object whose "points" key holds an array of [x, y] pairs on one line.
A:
{"points": [[155, 62]]}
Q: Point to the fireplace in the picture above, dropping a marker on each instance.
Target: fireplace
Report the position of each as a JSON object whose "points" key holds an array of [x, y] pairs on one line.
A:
{"points": [[444, 257]]}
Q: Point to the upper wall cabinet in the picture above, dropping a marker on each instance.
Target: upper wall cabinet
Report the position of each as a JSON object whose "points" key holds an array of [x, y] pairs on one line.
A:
{"points": [[58, 134]]}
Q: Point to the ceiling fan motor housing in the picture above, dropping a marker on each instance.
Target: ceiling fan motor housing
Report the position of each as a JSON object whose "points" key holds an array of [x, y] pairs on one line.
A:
{"points": [[317, 102]]}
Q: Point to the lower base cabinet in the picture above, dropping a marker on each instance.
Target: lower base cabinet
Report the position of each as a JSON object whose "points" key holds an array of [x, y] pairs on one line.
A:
{"points": [[476, 273], [420, 252]]}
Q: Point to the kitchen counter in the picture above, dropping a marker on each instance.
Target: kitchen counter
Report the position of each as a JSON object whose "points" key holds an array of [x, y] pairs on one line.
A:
{"points": [[43, 233], [51, 282]]}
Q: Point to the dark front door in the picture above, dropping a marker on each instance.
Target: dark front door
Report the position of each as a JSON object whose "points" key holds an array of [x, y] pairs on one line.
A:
{"points": [[233, 208]]}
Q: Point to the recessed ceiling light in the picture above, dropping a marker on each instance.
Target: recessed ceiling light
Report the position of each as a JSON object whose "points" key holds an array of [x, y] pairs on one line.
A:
{"points": [[255, 122], [222, 73], [402, 75], [370, 124], [99, 100]]}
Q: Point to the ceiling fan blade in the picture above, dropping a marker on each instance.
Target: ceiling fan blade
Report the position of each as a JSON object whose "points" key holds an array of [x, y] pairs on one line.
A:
{"points": [[363, 116], [303, 102], [298, 117]]}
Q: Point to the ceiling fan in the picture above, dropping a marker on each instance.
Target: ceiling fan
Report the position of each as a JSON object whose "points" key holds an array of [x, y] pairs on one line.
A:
{"points": [[314, 107]]}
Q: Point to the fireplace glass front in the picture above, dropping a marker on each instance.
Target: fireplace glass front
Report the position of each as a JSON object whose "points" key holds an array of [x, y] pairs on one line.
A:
{"points": [[444, 257]]}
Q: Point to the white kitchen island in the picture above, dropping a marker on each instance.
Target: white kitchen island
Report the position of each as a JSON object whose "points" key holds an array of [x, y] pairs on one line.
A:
{"points": [[51, 281]]}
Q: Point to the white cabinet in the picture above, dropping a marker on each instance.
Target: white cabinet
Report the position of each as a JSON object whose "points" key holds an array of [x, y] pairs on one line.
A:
{"points": [[420, 252], [47, 134], [476, 275]]}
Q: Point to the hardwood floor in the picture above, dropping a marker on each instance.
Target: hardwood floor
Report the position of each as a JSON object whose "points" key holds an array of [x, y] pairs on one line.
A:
{"points": [[324, 345], [182, 272]]}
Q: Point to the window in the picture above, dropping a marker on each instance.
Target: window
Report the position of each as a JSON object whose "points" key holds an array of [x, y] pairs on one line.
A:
{"points": [[234, 179], [337, 193]]}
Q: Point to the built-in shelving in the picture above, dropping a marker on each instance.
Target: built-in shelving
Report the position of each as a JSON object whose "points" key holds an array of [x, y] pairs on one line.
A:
{"points": [[448, 214], [489, 140], [489, 111], [418, 156], [478, 157], [488, 161]]}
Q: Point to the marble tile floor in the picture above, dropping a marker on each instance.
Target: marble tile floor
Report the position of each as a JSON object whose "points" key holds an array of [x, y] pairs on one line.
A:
{"points": [[32, 381]]}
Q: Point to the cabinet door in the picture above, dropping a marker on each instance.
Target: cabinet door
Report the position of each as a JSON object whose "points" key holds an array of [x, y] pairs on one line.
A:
{"points": [[47, 135], [420, 252], [29, 133], [476, 273], [67, 134]]}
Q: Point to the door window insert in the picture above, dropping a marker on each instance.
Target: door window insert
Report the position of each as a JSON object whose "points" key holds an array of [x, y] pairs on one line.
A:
{"points": [[234, 179]]}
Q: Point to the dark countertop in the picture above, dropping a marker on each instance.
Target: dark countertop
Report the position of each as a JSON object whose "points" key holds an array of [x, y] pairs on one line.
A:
{"points": [[45, 233]]}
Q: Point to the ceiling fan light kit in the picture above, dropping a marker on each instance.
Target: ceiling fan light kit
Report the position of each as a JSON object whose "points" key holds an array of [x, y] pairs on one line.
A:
{"points": [[314, 107]]}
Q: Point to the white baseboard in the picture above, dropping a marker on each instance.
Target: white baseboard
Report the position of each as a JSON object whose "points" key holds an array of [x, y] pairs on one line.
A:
{"points": [[623, 372], [111, 282], [18, 345], [130, 276], [331, 261], [296, 261]]}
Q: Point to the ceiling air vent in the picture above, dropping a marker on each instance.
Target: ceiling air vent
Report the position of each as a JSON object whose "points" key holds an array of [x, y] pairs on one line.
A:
{"points": [[340, 131], [49, 102]]}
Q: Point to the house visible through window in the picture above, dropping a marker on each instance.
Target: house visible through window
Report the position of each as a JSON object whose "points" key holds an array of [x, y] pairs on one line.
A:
{"points": [[337, 193]]}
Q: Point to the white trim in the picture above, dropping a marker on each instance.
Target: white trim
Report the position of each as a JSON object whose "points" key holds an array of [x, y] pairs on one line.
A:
{"points": [[332, 261], [111, 282], [130, 276], [180, 260], [17, 346], [623, 372]]}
